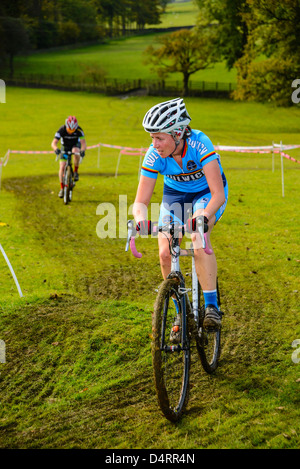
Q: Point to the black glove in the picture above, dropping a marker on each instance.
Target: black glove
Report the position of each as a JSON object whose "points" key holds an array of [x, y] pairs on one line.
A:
{"points": [[192, 224], [57, 151], [82, 153], [144, 227]]}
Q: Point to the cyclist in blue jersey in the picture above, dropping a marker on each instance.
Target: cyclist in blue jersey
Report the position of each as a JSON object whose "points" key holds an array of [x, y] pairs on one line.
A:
{"points": [[193, 179]]}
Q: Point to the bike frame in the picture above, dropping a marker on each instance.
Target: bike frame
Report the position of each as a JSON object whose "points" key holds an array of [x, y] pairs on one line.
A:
{"points": [[172, 360], [176, 252], [68, 163]]}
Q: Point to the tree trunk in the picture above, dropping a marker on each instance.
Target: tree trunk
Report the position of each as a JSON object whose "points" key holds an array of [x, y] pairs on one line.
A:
{"points": [[186, 77], [11, 65]]}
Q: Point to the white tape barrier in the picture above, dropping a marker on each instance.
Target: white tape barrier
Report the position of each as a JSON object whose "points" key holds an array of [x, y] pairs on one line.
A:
{"points": [[3, 162], [274, 148], [12, 271], [261, 149]]}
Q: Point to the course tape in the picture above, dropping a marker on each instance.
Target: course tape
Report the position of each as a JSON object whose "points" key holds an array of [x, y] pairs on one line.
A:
{"points": [[275, 148], [289, 157], [11, 271], [118, 147]]}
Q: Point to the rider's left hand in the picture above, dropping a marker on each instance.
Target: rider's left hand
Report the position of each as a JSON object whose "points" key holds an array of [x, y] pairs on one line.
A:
{"points": [[192, 224]]}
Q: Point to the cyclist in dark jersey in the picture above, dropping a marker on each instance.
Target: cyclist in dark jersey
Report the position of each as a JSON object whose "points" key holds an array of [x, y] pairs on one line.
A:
{"points": [[193, 179], [72, 139]]}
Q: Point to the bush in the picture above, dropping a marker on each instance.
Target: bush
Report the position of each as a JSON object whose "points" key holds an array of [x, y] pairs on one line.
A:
{"points": [[68, 32]]}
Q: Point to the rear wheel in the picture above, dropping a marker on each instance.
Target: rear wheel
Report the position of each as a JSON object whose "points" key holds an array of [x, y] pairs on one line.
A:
{"points": [[171, 361], [209, 339]]}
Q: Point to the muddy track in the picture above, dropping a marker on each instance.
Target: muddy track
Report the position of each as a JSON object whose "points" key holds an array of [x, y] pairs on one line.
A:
{"points": [[71, 230]]}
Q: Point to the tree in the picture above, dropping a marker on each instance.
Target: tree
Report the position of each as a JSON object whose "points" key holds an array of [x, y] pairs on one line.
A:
{"points": [[83, 14], [15, 38], [271, 59], [163, 4], [145, 12], [183, 51], [228, 21], [109, 10]]}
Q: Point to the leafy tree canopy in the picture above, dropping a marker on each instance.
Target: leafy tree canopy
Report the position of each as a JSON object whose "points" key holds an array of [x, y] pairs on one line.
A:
{"points": [[183, 51], [261, 38]]}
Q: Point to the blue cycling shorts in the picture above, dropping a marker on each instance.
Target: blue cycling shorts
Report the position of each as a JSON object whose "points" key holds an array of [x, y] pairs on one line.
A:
{"points": [[177, 206]]}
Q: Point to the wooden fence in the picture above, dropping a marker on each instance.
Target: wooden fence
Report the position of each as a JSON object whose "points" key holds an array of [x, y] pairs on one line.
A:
{"points": [[119, 86]]}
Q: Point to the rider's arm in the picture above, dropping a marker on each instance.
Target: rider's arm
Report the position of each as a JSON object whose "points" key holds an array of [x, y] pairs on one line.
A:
{"points": [[83, 144], [54, 143], [215, 183], [143, 197]]}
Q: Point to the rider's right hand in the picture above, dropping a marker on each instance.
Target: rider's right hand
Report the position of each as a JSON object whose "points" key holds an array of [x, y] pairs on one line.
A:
{"points": [[57, 151], [144, 227]]}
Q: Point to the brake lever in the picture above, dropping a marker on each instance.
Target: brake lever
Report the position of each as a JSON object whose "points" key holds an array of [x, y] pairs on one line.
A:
{"points": [[129, 233], [131, 240]]}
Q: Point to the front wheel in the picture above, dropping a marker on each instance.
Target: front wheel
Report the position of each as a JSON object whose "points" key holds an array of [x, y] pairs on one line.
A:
{"points": [[171, 361], [67, 185]]}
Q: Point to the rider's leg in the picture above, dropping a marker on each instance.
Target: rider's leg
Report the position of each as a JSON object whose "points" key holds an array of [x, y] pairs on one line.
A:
{"points": [[206, 268], [76, 152], [164, 254], [165, 264], [206, 265], [62, 164], [163, 238]]}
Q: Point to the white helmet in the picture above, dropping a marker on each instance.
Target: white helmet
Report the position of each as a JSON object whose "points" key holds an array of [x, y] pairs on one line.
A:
{"points": [[169, 117]]}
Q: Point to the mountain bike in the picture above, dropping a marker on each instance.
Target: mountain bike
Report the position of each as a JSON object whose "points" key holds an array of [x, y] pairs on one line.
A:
{"points": [[68, 177], [171, 362]]}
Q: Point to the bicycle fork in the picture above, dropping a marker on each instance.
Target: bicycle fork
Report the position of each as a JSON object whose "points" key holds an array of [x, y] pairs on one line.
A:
{"points": [[195, 291], [183, 296]]}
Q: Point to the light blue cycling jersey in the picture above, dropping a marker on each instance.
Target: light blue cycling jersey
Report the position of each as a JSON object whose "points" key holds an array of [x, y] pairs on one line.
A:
{"points": [[197, 151]]}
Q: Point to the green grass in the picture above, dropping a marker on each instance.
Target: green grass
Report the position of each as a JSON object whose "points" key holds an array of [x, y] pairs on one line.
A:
{"points": [[120, 58], [78, 366], [178, 14]]}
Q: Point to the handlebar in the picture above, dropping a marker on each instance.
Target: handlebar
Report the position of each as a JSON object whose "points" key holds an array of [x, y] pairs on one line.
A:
{"points": [[173, 229], [68, 153]]}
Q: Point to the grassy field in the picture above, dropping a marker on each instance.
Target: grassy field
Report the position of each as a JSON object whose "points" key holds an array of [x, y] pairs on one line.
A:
{"points": [[178, 14], [121, 58], [78, 366]]}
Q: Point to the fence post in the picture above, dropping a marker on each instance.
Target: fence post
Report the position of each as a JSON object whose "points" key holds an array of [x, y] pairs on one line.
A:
{"points": [[282, 175]]}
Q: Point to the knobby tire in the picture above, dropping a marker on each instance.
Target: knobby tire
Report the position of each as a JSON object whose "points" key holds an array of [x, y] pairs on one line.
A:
{"points": [[171, 368], [67, 185], [208, 340]]}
